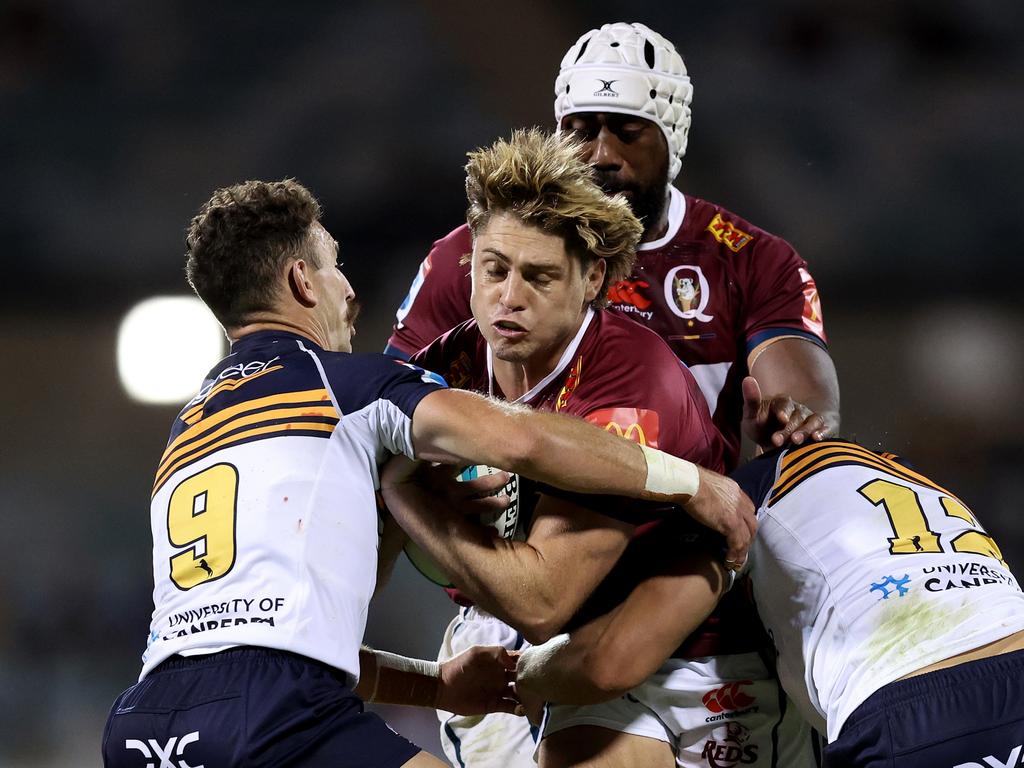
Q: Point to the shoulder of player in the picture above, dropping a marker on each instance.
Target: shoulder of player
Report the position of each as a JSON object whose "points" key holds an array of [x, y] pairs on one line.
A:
{"points": [[620, 346], [464, 336], [359, 379], [455, 355], [734, 235], [449, 250]]}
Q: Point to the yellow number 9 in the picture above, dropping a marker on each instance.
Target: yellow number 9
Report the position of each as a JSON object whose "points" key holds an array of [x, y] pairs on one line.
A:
{"points": [[201, 516]]}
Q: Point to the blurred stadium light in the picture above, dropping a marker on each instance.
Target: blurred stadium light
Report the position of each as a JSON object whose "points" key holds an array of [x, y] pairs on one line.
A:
{"points": [[165, 345]]}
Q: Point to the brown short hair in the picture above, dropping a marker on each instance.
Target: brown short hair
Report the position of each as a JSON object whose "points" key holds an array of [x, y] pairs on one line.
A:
{"points": [[542, 180], [240, 239]]}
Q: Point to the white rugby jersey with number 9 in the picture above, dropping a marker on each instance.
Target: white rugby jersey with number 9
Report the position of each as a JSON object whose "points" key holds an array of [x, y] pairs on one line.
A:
{"points": [[864, 571], [263, 511]]}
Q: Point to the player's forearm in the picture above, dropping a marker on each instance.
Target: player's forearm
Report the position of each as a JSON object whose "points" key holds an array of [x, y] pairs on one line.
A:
{"points": [[616, 652], [508, 579], [805, 372], [564, 452], [387, 678]]}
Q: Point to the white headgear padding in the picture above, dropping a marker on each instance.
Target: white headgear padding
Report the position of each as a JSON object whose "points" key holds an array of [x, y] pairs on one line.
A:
{"points": [[632, 70]]}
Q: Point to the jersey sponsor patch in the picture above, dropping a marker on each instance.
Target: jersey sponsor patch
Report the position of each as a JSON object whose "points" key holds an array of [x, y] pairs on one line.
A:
{"points": [[637, 424], [728, 234]]}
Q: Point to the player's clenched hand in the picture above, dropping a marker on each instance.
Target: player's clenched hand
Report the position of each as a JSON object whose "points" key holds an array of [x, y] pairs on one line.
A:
{"points": [[771, 422], [477, 681], [471, 497], [722, 506]]}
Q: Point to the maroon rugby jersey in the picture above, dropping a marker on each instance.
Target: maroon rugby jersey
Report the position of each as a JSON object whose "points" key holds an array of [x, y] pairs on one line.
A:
{"points": [[622, 377], [715, 287]]}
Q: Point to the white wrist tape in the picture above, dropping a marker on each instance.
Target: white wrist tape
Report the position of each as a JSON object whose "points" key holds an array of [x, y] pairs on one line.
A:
{"points": [[405, 664], [533, 662], [668, 475]]}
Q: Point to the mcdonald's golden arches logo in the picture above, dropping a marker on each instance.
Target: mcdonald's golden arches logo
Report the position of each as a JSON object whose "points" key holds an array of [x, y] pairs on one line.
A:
{"points": [[637, 424]]}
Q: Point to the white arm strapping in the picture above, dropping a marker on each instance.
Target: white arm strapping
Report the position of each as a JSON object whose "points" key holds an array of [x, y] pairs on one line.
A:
{"points": [[668, 475], [406, 664], [533, 663]]}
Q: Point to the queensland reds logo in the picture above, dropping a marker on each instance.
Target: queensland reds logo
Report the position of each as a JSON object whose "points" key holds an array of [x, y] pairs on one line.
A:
{"points": [[733, 750], [687, 293]]}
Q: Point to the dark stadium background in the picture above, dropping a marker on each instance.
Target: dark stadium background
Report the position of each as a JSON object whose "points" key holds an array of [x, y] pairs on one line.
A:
{"points": [[883, 140]]}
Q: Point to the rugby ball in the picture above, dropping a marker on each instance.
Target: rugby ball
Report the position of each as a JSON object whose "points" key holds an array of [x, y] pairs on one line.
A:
{"points": [[505, 522]]}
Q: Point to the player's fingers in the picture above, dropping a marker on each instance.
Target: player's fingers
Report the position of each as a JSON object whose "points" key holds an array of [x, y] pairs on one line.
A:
{"points": [[751, 397], [484, 484], [507, 659], [808, 429], [492, 505]]}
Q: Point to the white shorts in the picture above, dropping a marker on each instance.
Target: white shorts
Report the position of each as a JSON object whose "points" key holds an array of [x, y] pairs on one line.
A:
{"points": [[714, 712], [484, 741]]}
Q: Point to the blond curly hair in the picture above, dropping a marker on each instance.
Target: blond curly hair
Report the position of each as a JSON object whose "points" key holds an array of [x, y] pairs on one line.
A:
{"points": [[542, 180]]}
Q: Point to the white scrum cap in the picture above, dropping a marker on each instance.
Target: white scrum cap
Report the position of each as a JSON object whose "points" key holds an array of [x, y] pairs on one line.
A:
{"points": [[632, 70]]}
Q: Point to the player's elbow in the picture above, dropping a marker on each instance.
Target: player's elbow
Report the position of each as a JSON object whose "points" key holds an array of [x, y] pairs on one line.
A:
{"points": [[540, 628], [610, 674], [537, 619]]}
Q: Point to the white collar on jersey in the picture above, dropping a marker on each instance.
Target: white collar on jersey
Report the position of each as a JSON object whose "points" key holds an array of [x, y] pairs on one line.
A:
{"points": [[676, 214], [563, 362]]}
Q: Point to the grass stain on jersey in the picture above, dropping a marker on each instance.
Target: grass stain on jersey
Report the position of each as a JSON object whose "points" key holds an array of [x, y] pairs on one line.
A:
{"points": [[910, 621]]}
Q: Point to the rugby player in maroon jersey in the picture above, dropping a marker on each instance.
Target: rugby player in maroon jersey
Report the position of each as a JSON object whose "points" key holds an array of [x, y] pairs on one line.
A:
{"points": [[547, 243], [727, 296]]}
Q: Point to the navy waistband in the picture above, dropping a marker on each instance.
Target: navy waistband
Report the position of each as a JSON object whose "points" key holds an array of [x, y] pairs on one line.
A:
{"points": [[900, 692], [242, 653]]}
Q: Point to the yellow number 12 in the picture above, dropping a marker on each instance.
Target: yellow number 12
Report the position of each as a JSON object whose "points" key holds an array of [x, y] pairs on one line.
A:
{"points": [[910, 526]]}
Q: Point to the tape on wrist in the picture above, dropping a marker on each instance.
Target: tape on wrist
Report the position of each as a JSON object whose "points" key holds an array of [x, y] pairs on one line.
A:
{"points": [[533, 661], [405, 664], [668, 475]]}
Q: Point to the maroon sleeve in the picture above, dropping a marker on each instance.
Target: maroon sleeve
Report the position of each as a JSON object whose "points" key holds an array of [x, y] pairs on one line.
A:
{"points": [[438, 298], [780, 295]]}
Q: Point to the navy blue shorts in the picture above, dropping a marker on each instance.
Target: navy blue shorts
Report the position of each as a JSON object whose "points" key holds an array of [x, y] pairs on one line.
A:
{"points": [[967, 716], [247, 707]]}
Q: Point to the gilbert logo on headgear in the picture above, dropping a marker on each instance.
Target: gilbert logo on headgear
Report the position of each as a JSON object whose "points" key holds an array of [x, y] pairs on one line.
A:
{"points": [[606, 88]]}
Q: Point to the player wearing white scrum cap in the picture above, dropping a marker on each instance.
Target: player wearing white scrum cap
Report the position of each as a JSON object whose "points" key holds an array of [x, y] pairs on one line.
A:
{"points": [[629, 69]]}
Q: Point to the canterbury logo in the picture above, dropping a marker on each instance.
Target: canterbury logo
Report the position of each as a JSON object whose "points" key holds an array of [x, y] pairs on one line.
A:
{"points": [[728, 698], [628, 292]]}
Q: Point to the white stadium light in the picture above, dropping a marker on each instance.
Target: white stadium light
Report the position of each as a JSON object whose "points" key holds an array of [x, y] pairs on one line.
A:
{"points": [[165, 346]]}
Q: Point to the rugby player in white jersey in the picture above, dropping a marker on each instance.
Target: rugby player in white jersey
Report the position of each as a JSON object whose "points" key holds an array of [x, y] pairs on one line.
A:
{"points": [[264, 519], [898, 628]]}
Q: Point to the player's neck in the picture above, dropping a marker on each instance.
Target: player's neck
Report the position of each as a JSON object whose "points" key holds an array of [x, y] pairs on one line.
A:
{"points": [[256, 324], [517, 378], [659, 228]]}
